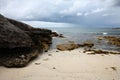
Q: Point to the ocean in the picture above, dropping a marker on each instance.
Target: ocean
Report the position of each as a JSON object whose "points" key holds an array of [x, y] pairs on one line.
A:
{"points": [[79, 34]]}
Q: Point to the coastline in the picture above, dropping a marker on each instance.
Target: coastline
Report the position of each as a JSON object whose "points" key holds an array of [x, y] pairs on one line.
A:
{"points": [[66, 65], [83, 63]]}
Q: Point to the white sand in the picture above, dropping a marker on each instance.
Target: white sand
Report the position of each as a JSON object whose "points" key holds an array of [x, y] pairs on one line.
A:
{"points": [[66, 65]]}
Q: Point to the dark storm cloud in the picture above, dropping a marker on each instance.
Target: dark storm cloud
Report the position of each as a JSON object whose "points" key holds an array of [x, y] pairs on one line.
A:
{"points": [[85, 12], [116, 3]]}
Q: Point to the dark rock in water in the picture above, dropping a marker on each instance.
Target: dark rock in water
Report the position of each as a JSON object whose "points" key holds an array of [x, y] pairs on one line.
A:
{"points": [[113, 40], [55, 34], [61, 36], [88, 44], [19, 42], [64, 47], [100, 38]]}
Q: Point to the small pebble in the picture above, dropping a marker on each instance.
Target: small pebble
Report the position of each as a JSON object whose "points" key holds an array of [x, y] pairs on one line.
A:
{"points": [[37, 63], [113, 68], [54, 68], [49, 54]]}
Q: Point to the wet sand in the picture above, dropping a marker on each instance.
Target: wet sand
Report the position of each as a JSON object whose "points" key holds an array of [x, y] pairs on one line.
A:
{"points": [[67, 65]]}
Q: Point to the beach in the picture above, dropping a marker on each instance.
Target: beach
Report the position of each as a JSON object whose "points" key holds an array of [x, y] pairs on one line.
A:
{"points": [[60, 40], [67, 53], [66, 65]]}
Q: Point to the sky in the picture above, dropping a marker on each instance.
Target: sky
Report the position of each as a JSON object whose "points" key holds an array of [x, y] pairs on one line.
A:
{"points": [[97, 13]]}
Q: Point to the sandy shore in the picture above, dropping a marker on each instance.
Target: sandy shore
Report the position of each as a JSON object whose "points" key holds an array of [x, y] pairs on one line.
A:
{"points": [[67, 65]]}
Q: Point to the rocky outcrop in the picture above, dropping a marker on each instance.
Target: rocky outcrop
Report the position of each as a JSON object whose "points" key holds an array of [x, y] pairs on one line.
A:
{"points": [[55, 34], [19, 42], [111, 39], [72, 46], [11, 36]]}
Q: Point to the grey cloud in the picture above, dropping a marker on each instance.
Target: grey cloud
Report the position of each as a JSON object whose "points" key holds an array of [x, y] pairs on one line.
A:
{"points": [[116, 3], [62, 11]]}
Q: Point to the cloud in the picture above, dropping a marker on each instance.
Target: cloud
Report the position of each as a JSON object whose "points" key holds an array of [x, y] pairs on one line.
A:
{"points": [[107, 14], [94, 11], [116, 3], [85, 12], [98, 10], [79, 14]]}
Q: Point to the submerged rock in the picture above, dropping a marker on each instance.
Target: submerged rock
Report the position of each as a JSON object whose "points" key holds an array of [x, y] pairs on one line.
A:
{"points": [[19, 42], [111, 39]]}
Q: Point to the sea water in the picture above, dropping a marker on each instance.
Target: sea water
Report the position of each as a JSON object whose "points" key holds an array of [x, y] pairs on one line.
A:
{"points": [[79, 34]]}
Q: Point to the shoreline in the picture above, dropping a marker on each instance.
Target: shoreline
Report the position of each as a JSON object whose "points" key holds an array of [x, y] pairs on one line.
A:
{"points": [[66, 65], [83, 63]]}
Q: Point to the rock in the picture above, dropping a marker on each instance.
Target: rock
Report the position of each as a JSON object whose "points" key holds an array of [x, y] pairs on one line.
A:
{"points": [[19, 42], [113, 68], [61, 36], [11, 36], [37, 35], [100, 38], [54, 68], [49, 54], [112, 40], [55, 34], [64, 47], [46, 46], [101, 52], [72, 45], [88, 44], [37, 63], [17, 61], [57, 51]]}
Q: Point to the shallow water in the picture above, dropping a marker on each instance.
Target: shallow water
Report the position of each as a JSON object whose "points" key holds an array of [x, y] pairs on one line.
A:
{"points": [[79, 35]]}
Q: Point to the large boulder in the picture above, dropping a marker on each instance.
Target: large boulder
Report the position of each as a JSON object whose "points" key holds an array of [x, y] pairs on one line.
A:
{"points": [[40, 36], [19, 42], [11, 36]]}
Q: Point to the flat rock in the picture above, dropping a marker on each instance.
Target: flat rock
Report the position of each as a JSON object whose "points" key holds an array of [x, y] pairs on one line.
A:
{"points": [[64, 47]]}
